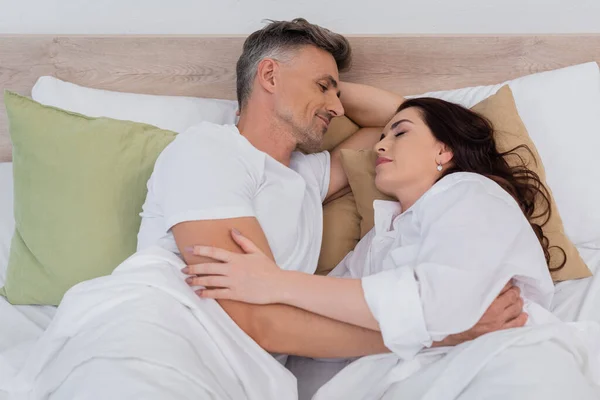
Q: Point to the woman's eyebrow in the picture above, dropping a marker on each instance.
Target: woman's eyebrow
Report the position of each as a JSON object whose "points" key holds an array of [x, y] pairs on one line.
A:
{"points": [[395, 124]]}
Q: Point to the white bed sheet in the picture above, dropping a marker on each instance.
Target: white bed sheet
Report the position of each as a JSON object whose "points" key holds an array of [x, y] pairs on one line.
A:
{"points": [[580, 300], [22, 325], [573, 301]]}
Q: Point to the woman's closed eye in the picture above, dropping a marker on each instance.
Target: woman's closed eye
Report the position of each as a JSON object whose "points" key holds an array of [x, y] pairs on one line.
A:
{"points": [[397, 134]]}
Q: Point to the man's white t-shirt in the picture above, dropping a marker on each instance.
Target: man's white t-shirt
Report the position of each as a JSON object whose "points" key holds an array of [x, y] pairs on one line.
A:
{"points": [[213, 172]]}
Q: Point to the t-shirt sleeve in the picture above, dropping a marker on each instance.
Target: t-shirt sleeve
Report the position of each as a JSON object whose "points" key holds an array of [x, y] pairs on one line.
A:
{"points": [[205, 175], [320, 166], [473, 242]]}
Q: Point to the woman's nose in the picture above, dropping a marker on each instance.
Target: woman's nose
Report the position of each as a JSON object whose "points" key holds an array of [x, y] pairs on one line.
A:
{"points": [[379, 147]]}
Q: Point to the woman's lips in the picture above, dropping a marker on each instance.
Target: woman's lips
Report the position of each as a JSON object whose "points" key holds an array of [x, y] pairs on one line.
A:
{"points": [[382, 160]]}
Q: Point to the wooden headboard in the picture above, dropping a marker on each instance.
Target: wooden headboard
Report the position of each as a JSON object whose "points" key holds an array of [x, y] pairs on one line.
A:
{"points": [[204, 66]]}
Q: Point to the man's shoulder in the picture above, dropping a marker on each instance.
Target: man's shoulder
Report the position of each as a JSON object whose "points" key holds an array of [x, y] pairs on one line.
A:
{"points": [[206, 140], [209, 148], [207, 133]]}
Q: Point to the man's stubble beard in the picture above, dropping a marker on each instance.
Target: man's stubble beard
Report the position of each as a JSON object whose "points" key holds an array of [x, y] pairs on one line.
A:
{"points": [[309, 139]]}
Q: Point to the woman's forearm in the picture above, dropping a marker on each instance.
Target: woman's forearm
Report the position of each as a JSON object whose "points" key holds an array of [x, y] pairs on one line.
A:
{"points": [[339, 299], [369, 106]]}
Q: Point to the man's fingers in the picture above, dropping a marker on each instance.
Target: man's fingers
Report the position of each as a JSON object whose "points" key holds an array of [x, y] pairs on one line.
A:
{"points": [[513, 294], [513, 311], [506, 287], [518, 322], [508, 298]]}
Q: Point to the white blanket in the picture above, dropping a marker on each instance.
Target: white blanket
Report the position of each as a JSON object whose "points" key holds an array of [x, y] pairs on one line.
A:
{"points": [[556, 361], [143, 333]]}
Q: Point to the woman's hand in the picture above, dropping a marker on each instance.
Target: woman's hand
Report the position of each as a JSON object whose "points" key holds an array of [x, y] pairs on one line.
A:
{"points": [[251, 277]]}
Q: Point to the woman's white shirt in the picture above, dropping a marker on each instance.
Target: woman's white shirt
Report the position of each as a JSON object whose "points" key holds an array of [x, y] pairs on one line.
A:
{"points": [[434, 269]]}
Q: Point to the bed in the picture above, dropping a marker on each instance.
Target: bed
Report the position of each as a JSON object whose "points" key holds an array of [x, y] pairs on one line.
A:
{"points": [[203, 66]]}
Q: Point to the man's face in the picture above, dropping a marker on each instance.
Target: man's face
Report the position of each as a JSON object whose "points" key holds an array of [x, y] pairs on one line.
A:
{"points": [[307, 97]]}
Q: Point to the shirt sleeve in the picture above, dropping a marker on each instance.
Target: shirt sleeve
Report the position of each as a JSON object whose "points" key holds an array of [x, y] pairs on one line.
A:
{"points": [[472, 243], [206, 174]]}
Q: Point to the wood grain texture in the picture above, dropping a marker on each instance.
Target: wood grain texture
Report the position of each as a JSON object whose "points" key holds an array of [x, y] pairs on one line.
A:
{"points": [[204, 66]]}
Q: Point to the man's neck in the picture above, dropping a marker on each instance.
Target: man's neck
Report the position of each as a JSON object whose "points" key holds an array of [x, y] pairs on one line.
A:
{"points": [[265, 133]]}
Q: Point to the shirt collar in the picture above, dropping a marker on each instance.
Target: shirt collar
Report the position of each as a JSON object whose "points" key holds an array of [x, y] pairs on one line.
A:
{"points": [[385, 212]]}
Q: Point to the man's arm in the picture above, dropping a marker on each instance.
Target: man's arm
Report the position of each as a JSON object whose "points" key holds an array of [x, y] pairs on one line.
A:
{"points": [[368, 105], [276, 328]]}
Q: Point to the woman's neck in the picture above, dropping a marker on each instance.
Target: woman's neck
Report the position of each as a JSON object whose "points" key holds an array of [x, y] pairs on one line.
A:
{"points": [[409, 194]]}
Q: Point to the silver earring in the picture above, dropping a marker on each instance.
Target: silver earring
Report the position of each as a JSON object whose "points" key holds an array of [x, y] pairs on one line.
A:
{"points": [[439, 167]]}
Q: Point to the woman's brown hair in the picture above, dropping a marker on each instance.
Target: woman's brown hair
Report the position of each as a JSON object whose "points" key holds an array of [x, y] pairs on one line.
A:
{"points": [[470, 136]]}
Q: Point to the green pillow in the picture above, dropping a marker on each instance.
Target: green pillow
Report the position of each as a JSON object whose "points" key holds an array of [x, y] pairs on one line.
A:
{"points": [[80, 184]]}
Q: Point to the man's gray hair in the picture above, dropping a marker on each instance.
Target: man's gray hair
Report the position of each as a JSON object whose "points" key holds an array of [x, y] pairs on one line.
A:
{"points": [[276, 40]]}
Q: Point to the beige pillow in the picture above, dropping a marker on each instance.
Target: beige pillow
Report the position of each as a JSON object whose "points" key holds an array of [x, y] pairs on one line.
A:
{"points": [[339, 130], [501, 110], [340, 232]]}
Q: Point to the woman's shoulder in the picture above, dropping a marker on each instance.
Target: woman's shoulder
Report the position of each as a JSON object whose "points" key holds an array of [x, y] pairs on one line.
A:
{"points": [[469, 188]]}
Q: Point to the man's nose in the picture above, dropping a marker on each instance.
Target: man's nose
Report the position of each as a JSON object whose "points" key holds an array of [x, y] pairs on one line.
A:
{"points": [[335, 108]]}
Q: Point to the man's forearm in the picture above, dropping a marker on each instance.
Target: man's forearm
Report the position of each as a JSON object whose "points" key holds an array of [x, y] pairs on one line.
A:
{"points": [[367, 105], [288, 330]]}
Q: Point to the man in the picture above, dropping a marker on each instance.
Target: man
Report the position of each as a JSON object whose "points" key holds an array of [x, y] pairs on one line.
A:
{"points": [[248, 177]]}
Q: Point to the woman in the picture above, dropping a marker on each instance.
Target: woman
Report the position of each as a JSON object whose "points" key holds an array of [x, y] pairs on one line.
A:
{"points": [[462, 227]]}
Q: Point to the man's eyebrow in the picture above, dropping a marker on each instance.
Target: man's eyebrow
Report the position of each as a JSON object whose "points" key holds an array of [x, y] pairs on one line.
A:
{"points": [[332, 82], [395, 124]]}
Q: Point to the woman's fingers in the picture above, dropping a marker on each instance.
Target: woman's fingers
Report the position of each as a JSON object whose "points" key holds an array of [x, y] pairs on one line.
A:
{"points": [[208, 281], [207, 269], [245, 244], [211, 252], [215, 294]]}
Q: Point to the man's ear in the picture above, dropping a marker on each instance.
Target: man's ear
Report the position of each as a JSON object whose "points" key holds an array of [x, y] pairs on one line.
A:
{"points": [[267, 69]]}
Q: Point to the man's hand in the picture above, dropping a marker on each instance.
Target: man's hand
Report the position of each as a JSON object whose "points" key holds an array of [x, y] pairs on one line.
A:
{"points": [[504, 313]]}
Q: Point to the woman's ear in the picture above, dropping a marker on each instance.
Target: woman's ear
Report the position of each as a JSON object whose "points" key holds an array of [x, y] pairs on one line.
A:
{"points": [[445, 154]]}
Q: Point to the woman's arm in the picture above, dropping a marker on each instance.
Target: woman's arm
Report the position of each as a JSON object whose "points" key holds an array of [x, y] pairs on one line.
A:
{"points": [[253, 277], [340, 299], [368, 106]]}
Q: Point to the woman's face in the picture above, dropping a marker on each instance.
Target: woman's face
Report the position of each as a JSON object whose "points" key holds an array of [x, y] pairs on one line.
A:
{"points": [[408, 155]]}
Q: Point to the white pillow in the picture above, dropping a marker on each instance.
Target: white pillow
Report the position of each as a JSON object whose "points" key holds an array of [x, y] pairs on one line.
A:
{"points": [[561, 111], [7, 219], [175, 113]]}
